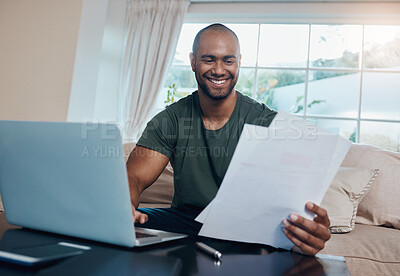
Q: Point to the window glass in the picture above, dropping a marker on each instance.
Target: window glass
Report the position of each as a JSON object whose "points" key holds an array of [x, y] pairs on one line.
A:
{"points": [[381, 134], [337, 46], [333, 93], [248, 37], [381, 96], [245, 82], [344, 128], [279, 68], [182, 76], [283, 45], [185, 43], [382, 47], [180, 82], [281, 89]]}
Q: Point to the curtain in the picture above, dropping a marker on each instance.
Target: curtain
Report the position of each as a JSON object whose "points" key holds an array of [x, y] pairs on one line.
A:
{"points": [[152, 32]]}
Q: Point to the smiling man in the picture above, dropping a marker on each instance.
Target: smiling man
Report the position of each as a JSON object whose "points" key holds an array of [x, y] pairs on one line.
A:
{"points": [[198, 135], [216, 61]]}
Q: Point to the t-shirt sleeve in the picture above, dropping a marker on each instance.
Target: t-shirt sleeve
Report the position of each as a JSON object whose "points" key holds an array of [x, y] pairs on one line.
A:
{"points": [[160, 134], [265, 117]]}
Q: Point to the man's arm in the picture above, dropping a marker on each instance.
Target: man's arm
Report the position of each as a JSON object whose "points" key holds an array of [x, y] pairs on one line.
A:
{"points": [[144, 166], [308, 236]]}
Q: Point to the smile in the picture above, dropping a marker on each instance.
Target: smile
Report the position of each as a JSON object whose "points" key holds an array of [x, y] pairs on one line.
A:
{"points": [[218, 82]]}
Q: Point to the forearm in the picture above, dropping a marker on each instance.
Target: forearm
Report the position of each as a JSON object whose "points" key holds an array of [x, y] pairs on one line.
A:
{"points": [[134, 190], [143, 167]]}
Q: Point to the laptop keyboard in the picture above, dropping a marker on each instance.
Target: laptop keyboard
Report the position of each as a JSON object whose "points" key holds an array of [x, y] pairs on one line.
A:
{"points": [[144, 235]]}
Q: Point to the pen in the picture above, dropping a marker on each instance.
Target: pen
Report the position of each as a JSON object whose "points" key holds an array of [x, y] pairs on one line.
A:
{"points": [[330, 257], [209, 250]]}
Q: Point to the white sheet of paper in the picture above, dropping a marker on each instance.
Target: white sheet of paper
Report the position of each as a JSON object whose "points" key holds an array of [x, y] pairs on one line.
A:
{"points": [[273, 172]]}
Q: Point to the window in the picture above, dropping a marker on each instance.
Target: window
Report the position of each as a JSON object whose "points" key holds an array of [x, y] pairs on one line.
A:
{"points": [[345, 78]]}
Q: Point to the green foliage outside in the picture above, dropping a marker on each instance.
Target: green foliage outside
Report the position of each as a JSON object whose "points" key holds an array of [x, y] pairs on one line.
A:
{"points": [[348, 60], [353, 135], [377, 56], [171, 92], [181, 76], [267, 81], [298, 106], [245, 83], [282, 78]]}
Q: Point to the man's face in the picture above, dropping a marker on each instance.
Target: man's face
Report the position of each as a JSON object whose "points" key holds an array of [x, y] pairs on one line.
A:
{"points": [[216, 64]]}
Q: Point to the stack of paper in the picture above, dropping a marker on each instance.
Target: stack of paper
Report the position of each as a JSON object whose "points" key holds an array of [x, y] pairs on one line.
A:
{"points": [[273, 173]]}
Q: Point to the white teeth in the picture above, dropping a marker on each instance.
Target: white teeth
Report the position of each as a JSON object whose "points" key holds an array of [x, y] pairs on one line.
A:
{"points": [[218, 82]]}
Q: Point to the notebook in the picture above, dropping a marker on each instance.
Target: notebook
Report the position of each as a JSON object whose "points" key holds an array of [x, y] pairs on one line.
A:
{"points": [[70, 179]]}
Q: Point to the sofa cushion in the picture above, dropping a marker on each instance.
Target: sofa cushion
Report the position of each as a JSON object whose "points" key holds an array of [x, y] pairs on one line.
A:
{"points": [[365, 267], [128, 147], [159, 194], [369, 250], [346, 191], [381, 205]]}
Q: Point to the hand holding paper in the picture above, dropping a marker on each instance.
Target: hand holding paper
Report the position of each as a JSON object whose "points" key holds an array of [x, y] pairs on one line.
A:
{"points": [[273, 173], [308, 237]]}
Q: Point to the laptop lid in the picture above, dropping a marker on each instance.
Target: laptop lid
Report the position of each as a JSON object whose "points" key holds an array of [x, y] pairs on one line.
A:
{"points": [[66, 178]]}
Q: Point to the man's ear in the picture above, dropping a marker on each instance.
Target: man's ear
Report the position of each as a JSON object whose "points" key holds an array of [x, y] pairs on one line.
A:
{"points": [[240, 60], [192, 61]]}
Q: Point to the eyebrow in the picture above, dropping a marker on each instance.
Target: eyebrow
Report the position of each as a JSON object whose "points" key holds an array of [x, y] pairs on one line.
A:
{"points": [[212, 56], [208, 56], [230, 56]]}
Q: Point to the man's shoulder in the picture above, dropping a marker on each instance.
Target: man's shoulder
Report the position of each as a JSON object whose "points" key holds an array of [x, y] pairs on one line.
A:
{"points": [[254, 112], [182, 106], [253, 105], [173, 113]]}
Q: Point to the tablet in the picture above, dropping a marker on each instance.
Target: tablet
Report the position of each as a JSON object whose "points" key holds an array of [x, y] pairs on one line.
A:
{"points": [[40, 255]]}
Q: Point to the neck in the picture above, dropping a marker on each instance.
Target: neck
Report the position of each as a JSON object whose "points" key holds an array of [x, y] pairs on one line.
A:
{"points": [[216, 113]]}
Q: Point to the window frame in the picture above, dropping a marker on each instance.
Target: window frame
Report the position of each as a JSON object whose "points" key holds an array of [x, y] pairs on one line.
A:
{"points": [[359, 13]]}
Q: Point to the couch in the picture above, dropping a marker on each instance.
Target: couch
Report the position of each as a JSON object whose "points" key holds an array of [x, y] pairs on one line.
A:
{"points": [[370, 242]]}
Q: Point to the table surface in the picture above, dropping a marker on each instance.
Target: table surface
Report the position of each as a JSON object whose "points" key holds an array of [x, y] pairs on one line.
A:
{"points": [[178, 257]]}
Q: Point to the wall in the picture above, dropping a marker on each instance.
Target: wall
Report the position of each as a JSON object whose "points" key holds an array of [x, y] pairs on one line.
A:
{"points": [[37, 51], [60, 60]]}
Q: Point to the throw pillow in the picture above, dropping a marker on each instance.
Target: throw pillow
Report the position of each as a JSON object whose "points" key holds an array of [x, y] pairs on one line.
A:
{"points": [[346, 191], [381, 206]]}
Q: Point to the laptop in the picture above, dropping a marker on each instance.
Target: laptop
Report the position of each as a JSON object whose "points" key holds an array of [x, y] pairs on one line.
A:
{"points": [[70, 179]]}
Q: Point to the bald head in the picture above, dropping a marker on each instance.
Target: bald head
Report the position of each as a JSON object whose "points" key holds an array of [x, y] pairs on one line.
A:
{"points": [[215, 60], [217, 27]]}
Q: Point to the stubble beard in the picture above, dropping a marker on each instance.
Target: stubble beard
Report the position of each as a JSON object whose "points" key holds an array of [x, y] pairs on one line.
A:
{"points": [[220, 95]]}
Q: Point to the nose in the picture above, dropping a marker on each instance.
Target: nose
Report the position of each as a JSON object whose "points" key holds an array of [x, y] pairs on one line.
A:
{"points": [[218, 68]]}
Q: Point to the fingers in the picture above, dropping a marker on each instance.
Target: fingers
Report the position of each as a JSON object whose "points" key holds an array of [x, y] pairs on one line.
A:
{"points": [[138, 217], [308, 236], [322, 215], [300, 224], [305, 242], [141, 218]]}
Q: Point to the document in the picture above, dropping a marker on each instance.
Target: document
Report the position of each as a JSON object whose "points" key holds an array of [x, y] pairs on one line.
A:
{"points": [[273, 173]]}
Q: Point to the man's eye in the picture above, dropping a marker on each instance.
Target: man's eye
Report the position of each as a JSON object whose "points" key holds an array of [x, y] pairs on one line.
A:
{"points": [[229, 61], [208, 60]]}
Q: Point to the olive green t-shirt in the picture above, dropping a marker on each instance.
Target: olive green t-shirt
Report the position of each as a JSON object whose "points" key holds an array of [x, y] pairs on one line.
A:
{"points": [[199, 157]]}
